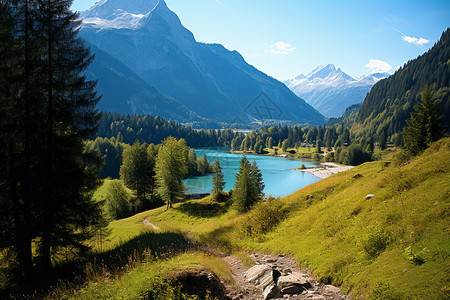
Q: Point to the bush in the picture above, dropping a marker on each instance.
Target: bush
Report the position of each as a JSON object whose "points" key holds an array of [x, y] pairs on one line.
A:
{"points": [[261, 219], [329, 157], [376, 242]]}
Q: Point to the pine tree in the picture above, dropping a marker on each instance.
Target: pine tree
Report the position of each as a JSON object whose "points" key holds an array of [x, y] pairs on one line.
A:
{"points": [[424, 127], [117, 203], [69, 117], [249, 186], [218, 179]]}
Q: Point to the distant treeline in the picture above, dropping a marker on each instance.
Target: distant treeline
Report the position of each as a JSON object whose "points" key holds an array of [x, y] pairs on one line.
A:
{"points": [[149, 129]]}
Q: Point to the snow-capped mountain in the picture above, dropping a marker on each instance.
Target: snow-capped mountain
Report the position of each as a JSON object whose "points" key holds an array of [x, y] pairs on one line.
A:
{"points": [[213, 82], [330, 90]]}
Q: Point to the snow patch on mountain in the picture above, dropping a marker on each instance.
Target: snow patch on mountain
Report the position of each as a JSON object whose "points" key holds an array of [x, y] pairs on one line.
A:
{"points": [[329, 90]]}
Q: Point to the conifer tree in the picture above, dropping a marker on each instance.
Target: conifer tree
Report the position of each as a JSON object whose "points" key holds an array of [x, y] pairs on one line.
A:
{"points": [[218, 178], [249, 186], [424, 127]]}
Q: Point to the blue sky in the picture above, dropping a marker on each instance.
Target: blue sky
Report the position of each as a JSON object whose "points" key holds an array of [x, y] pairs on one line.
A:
{"points": [[287, 37]]}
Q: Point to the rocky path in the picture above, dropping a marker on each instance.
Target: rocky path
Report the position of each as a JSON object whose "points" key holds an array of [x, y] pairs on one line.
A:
{"points": [[250, 285]]}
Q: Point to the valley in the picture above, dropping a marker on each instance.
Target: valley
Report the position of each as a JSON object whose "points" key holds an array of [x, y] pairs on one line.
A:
{"points": [[168, 149]]}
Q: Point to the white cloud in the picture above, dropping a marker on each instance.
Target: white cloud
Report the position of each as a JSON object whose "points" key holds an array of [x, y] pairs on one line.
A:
{"points": [[378, 66], [280, 48], [415, 41]]}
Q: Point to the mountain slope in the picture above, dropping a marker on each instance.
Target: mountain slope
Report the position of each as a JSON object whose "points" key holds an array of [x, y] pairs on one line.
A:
{"points": [[390, 102], [208, 79], [124, 91], [330, 90]]}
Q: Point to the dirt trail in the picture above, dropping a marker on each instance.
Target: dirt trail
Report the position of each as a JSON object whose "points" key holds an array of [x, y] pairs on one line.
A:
{"points": [[146, 222], [242, 289]]}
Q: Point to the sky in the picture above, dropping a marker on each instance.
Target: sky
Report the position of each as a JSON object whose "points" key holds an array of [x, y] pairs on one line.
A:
{"points": [[285, 38]]}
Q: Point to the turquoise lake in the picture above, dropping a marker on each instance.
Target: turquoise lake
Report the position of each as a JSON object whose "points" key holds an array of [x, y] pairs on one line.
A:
{"points": [[279, 177]]}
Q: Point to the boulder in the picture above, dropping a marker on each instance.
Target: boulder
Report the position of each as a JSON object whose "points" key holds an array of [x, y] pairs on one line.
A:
{"points": [[293, 289], [370, 196], [262, 275], [293, 280], [271, 292]]}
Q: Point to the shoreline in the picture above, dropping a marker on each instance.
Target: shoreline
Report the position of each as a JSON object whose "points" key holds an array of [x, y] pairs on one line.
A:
{"points": [[329, 169]]}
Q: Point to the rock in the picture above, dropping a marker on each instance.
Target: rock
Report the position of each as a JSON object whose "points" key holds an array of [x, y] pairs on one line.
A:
{"points": [[357, 176], [287, 272], [293, 279], [370, 196], [293, 289], [271, 292], [332, 289], [262, 275]]}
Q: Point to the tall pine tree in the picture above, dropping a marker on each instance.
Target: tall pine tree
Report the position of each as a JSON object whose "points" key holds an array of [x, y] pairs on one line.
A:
{"points": [[424, 127]]}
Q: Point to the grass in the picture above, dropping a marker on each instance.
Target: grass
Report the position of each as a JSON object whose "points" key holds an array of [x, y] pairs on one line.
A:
{"points": [[395, 245], [331, 228]]}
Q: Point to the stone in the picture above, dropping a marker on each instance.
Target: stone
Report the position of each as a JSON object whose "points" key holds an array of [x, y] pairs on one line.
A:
{"points": [[255, 272], [271, 291], [370, 196], [293, 279], [287, 272], [332, 289], [293, 289], [262, 275]]}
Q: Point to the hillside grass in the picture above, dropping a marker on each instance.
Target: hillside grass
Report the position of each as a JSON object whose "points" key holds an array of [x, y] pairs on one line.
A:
{"points": [[395, 245]]}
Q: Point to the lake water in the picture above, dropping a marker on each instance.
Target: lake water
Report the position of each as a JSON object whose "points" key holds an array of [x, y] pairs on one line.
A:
{"points": [[278, 176]]}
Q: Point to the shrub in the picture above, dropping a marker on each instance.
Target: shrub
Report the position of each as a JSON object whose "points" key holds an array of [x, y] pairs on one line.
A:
{"points": [[261, 219], [376, 242]]}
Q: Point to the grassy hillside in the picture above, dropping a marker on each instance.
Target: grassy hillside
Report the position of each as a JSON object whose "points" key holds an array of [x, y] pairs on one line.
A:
{"points": [[394, 245], [396, 242]]}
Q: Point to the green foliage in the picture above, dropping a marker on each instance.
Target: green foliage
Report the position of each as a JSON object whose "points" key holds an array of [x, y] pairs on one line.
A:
{"points": [[137, 173], [111, 152], [248, 188], [390, 102], [383, 291], [261, 219], [376, 242], [171, 167], [353, 155], [424, 127], [117, 203], [218, 179], [149, 129]]}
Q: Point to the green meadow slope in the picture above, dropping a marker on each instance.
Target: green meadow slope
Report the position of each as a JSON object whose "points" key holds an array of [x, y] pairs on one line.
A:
{"points": [[394, 245]]}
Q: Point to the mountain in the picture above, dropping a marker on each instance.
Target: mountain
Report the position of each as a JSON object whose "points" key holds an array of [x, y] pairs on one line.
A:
{"points": [[124, 91], [391, 101], [330, 90], [149, 39]]}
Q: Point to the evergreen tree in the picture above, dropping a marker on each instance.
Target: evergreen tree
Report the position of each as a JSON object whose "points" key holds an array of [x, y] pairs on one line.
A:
{"points": [[424, 127], [137, 173], [249, 186], [171, 167], [218, 178]]}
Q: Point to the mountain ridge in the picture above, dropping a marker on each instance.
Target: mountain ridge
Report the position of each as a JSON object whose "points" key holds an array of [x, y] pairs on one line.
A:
{"points": [[330, 90], [206, 78]]}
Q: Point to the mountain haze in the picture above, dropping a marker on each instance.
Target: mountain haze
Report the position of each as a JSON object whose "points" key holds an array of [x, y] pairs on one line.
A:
{"points": [[330, 90], [207, 79]]}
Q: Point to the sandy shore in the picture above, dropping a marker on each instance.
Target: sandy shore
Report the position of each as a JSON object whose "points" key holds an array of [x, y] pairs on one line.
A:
{"points": [[327, 170]]}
